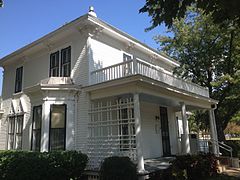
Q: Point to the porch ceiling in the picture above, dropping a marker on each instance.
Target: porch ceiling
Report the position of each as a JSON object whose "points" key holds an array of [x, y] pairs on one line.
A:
{"points": [[150, 90]]}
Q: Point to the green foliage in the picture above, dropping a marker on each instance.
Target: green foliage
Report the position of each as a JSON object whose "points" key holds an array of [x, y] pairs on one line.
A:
{"points": [[210, 57], [21, 165], [193, 167], [118, 168], [236, 148], [167, 11]]}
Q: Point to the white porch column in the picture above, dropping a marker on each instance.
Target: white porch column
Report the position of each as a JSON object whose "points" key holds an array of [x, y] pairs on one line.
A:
{"points": [[45, 126], [213, 130], [137, 116], [186, 142]]}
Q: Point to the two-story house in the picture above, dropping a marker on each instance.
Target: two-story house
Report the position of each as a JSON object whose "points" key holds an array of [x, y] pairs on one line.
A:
{"points": [[89, 86]]}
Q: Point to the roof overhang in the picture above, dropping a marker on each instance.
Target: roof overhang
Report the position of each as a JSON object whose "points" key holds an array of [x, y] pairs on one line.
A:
{"points": [[75, 25]]}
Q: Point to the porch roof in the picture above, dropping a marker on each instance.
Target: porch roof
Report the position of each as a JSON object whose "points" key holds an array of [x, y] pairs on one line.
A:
{"points": [[145, 85]]}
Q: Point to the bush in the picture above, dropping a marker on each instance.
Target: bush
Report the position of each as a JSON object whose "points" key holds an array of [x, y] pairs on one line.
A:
{"points": [[194, 167], [118, 168], [35, 165], [235, 144]]}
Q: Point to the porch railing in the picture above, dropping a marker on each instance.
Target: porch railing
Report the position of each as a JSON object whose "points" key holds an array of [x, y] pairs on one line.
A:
{"points": [[136, 66]]}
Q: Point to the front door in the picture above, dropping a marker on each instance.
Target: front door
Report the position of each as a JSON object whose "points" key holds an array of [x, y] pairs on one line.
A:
{"points": [[165, 131]]}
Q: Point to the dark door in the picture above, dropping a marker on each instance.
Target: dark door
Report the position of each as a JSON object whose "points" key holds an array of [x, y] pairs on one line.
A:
{"points": [[165, 131]]}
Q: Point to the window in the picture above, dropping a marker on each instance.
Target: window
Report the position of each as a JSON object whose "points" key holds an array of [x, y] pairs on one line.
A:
{"points": [[18, 80], [126, 57], [60, 69], [66, 62], [36, 128], [54, 64], [15, 129], [57, 132], [127, 68]]}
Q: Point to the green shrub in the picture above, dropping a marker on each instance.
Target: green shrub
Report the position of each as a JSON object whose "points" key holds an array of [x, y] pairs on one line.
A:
{"points": [[235, 144], [194, 167], [118, 168], [21, 165]]}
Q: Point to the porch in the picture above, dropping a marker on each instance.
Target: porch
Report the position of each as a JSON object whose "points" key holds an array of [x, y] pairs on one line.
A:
{"points": [[133, 113]]}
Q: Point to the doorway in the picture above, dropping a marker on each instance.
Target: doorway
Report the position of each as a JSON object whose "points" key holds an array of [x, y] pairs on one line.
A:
{"points": [[165, 131]]}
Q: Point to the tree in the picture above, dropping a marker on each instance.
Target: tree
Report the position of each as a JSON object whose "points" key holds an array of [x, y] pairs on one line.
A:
{"points": [[168, 10], [1, 3], [210, 57]]}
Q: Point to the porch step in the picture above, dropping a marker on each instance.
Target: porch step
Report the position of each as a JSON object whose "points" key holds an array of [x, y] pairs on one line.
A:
{"points": [[157, 164], [228, 161]]}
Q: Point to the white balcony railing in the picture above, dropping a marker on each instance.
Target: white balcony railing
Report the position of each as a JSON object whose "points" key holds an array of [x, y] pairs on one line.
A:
{"points": [[135, 66]]}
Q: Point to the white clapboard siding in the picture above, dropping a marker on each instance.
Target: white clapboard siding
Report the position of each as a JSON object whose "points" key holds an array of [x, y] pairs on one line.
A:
{"points": [[152, 140]]}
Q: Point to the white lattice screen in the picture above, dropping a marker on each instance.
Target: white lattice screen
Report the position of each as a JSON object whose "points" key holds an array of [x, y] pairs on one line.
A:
{"points": [[111, 130]]}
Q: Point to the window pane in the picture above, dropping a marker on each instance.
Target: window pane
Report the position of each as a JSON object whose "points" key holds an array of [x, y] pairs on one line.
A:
{"points": [[18, 141], [10, 141], [36, 141], [57, 131], [37, 117], [11, 125], [58, 117], [57, 139], [19, 124]]}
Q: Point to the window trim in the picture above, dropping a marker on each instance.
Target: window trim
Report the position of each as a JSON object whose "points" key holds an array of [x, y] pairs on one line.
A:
{"points": [[18, 80], [65, 127], [35, 107]]}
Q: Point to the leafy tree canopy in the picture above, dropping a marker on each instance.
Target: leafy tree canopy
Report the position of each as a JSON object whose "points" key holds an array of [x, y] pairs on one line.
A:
{"points": [[1, 3], [210, 57], [168, 10]]}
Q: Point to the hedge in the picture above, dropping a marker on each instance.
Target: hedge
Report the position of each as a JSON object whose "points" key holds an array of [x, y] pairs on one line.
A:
{"points": [[118, 168], [194, 167], [22, 165]]}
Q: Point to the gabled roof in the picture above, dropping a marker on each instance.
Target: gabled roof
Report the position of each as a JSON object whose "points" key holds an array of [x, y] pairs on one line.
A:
{"points": [[87, 19]]}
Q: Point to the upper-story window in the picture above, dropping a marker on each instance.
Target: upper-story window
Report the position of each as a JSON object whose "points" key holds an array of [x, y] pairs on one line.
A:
{"points": [[18, 80], [126, 57], [54, 64], [62, 68], [127, 68], [66, 62]]}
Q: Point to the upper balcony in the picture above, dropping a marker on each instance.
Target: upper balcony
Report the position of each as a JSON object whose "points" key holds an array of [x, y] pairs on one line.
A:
{"points": [[136, 66]]}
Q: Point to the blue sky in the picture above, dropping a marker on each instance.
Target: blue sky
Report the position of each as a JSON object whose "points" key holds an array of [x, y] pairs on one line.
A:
{"points": [[22, 22]]}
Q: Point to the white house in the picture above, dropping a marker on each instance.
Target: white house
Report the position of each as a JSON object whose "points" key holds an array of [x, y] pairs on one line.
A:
{"points": [[89, 86]]}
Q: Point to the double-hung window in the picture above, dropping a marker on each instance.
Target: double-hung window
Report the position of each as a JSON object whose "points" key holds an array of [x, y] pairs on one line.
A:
{"points": [[36, 128], [18, 80], [65, 62], [54, 64], [60, 63], [15, 129], [57, 132]]}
